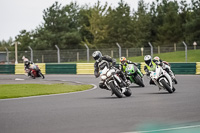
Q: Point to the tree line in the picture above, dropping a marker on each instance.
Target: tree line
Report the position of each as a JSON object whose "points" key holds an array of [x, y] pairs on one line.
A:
{"points": [[162, 22]]}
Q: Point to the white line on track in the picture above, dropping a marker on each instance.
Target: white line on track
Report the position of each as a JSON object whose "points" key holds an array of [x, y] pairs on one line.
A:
{"points": [[94, 87], [167, 129], [18, 79]]}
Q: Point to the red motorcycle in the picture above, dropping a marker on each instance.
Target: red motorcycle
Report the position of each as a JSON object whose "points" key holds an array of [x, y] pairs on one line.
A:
{"points": [[35, 71]]}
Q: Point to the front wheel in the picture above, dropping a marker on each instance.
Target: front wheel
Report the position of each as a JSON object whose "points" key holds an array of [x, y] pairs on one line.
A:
{"points": [[138, 80], [115, 90], [41, 75], [166, 86]]}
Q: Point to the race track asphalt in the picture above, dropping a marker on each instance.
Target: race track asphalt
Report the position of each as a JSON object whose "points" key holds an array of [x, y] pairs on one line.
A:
{"points": [[96, 111]]}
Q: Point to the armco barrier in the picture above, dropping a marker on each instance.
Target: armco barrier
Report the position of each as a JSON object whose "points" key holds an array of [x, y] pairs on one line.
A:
{"points": [[7, 69], [183, 68], [19, 68], [198, 68], [60, 68], [88, 68], [85, 68]]}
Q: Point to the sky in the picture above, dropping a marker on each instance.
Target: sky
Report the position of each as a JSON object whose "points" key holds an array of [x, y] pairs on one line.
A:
{"points": [[17, 15]]}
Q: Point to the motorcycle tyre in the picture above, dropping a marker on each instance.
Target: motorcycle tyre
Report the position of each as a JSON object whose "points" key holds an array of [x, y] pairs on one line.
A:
{"points": [[128, 93], [139, 81], [166, 86], [41, 75], [114, 90]]}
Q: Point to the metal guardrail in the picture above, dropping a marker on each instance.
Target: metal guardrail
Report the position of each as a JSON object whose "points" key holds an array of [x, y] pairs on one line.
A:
{"points": [[88, 68], [83, 55]]}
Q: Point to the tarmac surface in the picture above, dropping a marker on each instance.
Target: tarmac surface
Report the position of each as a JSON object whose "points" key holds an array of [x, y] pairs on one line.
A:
{"points": [[96, 111]]}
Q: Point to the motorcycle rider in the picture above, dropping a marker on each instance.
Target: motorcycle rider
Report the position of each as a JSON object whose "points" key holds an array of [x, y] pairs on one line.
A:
{"points": [[166, 66], [150, 66], [124, 62], [27, 65], [106, 61]]}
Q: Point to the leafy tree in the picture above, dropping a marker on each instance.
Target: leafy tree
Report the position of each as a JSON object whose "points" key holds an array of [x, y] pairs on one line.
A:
{"points": [[169, 31], [25, 38], [97, 24], [86, 35], [60, 27], [119, 25], [192, 27], [70, 26], [6, 44], [142, 25]]}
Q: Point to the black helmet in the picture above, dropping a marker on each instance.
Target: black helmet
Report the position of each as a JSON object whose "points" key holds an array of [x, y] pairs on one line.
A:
{"points": [[97, 55], [148, 59]]}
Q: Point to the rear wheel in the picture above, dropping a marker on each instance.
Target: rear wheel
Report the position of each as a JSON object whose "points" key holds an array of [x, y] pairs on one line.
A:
{"points": [[138, 80], [166, 86], [115, 90]]}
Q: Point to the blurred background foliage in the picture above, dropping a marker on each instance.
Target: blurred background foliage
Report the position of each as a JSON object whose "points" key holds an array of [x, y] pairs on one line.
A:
{"points": [[162, 22]]}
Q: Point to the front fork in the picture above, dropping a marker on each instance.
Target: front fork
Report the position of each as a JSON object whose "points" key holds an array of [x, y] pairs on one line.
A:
{"points": [[140, 73]]}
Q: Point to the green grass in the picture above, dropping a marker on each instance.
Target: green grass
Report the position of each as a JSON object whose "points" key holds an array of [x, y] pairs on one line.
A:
{"points": [[26, 90], [179, 56]]}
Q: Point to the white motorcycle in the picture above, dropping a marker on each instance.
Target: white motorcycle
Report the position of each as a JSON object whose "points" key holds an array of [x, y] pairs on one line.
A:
{"points": [[113, 82], [162, 79]]}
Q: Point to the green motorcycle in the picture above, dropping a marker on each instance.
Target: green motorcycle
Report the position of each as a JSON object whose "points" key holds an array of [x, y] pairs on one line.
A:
{"points": [[134, 75]]}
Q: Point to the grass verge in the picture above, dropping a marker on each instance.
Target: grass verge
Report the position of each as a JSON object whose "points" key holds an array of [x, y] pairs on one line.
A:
{"points": [[26, 90], [179, 56]]}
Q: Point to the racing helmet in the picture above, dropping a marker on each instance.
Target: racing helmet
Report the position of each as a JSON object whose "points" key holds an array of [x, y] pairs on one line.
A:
{"points": [[23, 57], [97, 55], [147, 59], [123, 60], [156, 58]]}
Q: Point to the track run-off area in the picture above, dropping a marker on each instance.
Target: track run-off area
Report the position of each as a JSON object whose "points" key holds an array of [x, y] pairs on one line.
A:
{"points": [[148, 110]]}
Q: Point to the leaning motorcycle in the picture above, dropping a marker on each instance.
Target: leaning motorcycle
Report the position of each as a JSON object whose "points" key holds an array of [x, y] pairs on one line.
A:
{"points": [[162, 79], [134, 75], [113, 82], [36, 72]]}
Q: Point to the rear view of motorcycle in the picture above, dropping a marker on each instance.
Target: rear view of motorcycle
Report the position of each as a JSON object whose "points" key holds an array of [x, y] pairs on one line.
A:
{"points": [[36, 72], [162, 79], [114, 83]]}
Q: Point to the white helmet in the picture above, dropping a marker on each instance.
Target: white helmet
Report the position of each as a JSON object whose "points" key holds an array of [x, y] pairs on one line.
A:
{"points": [[156, 58], [23, 57], [148, 59]]}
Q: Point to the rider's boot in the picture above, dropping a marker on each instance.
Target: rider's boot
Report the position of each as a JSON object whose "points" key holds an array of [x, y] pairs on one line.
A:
{"points": [[173, 77], [173, 89], [123, 89], [151, 82]]}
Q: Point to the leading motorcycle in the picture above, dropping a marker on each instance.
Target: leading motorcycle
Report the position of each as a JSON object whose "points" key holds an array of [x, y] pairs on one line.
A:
{"points": [[113, 82], [162, 79]]}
